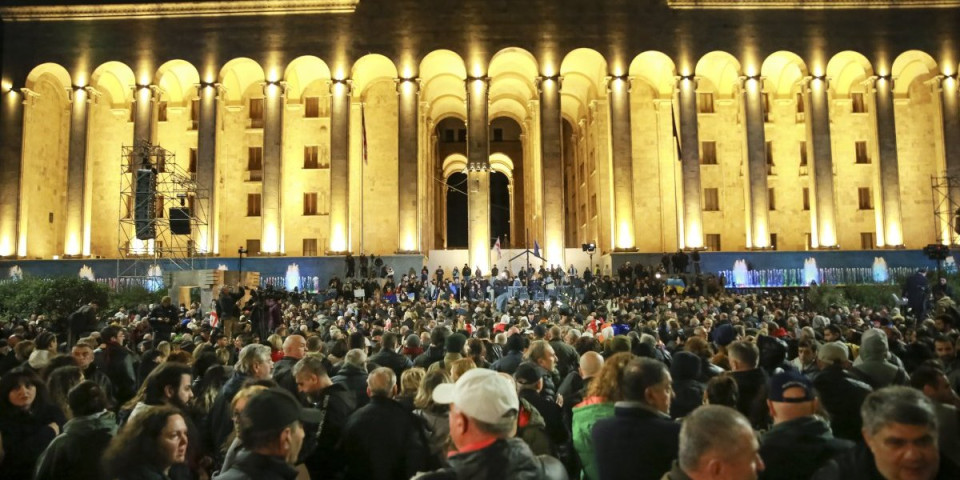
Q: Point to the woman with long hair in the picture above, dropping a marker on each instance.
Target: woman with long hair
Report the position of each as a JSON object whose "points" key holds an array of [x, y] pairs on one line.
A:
{"points": [[149, 446], [409, 386], [59, 384], [28, 422], [435, 415], [604, 391]]}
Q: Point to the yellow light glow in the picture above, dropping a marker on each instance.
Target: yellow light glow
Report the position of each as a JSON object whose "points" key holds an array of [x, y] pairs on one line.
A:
{"points": [[73, 245], [270, 239], [694, 236], [80, 80], [406, 71], [338, 241], [6, 246], [549, 70], [409, 243], [338, 88], [625, 235], [273, 74]]}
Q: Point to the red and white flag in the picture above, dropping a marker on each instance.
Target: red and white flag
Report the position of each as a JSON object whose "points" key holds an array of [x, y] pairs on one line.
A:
{"points": [[496, 247]]}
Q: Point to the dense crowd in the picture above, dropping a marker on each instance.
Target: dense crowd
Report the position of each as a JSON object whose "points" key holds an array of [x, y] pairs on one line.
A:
{"points": [[543, 374]]}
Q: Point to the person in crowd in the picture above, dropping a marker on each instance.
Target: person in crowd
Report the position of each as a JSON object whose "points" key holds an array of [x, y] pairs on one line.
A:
{"points": [[840, 393], [228, 310], [435, 416], [82, 352], [901, 434], [574, 387], [567, 356], [336, 403], [353, 375], [171, 384], [685, 371], [384, 430], [117, 363], [716, 443], [270, 428], [76, 453], [409, 385], [483, 419], [529, 385], [641, 439], [751, 380], [800, 442], [294, 348], [933, 383], [544, 360], [388, 356], [149, 447], [254, 363], [59, 383], [722, 390], [598, 404], [512, 357], [434, 353], [28, 422], [874, 366], [806, 361], [163, 318], [230, 451]]}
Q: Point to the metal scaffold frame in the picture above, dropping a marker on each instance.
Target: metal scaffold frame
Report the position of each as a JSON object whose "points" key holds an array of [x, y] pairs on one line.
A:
{"points": [[946, 208], [174, 187]]}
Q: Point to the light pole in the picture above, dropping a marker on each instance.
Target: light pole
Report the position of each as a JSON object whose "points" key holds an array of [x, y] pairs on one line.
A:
{"points": [[241, 251]]}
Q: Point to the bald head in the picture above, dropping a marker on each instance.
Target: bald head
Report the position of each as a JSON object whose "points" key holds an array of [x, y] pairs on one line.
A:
{"points": [[590, 364], [382, 382], [295, 346]]}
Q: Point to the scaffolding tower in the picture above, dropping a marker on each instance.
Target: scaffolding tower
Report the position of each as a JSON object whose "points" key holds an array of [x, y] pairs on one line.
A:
{"points": [[171, 186], [946, 208]]}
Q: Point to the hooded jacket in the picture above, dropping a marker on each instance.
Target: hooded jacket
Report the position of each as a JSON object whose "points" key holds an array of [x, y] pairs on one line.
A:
{"points": [[797, 448], [685, 371], [77, 452], [873, 366]]}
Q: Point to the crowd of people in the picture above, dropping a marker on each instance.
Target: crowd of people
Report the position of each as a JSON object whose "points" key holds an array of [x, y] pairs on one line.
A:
{"points": [[379, 377]]}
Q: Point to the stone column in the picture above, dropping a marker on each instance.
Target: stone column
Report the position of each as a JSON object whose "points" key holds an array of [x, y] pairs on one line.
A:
{"points": [[478, 173], [143, 100], [11, 130], [271, 239], [339, 166], [76, 166], [551, 156], [206, 167], [759, 234], [818, 135], [408, 173], [889, 163], [622, 164], [950, 128], [690, 163]]}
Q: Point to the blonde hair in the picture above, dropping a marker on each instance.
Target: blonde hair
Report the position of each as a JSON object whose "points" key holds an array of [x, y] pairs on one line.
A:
{"points": [[410, 380], [459, 367]]}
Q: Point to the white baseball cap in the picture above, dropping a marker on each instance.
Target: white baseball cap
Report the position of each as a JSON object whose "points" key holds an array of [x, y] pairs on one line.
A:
{"points": [[481, 394]]}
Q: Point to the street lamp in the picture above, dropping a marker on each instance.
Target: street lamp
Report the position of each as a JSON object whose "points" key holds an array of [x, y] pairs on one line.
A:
{"points": [[241, 251]]}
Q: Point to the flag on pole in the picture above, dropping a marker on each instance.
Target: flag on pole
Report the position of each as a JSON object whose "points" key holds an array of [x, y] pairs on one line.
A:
{"points": [[363, 132], [536, 249], [496, 246]]}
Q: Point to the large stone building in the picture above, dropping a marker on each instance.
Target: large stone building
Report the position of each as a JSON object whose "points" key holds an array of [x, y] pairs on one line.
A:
{"points": [[322, 127]]}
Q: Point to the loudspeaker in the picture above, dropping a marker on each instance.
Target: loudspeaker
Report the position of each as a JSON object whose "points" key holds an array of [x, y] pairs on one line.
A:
{"points": [[144, 209], [180, 221]]}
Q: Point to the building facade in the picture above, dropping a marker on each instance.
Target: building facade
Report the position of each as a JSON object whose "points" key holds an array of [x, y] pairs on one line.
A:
{"points": [[321, 128]]}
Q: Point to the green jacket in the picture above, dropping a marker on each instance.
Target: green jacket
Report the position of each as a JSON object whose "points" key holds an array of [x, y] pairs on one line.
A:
{"points": [[585, 415]]}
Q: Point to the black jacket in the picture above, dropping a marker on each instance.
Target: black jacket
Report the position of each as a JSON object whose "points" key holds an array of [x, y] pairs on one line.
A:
{"points": [[25, 437], [76, 453], [504, 459], [752, 402], [509, 362], [254, 466], [283, 374], [797, 448], [859, 464], [355, 379], [392, 360], [383, 441], [117, 364], [841, 396], [567, 358], [320, 447], [549, 391], [637, 443], [685, 371], [431, 355]]}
